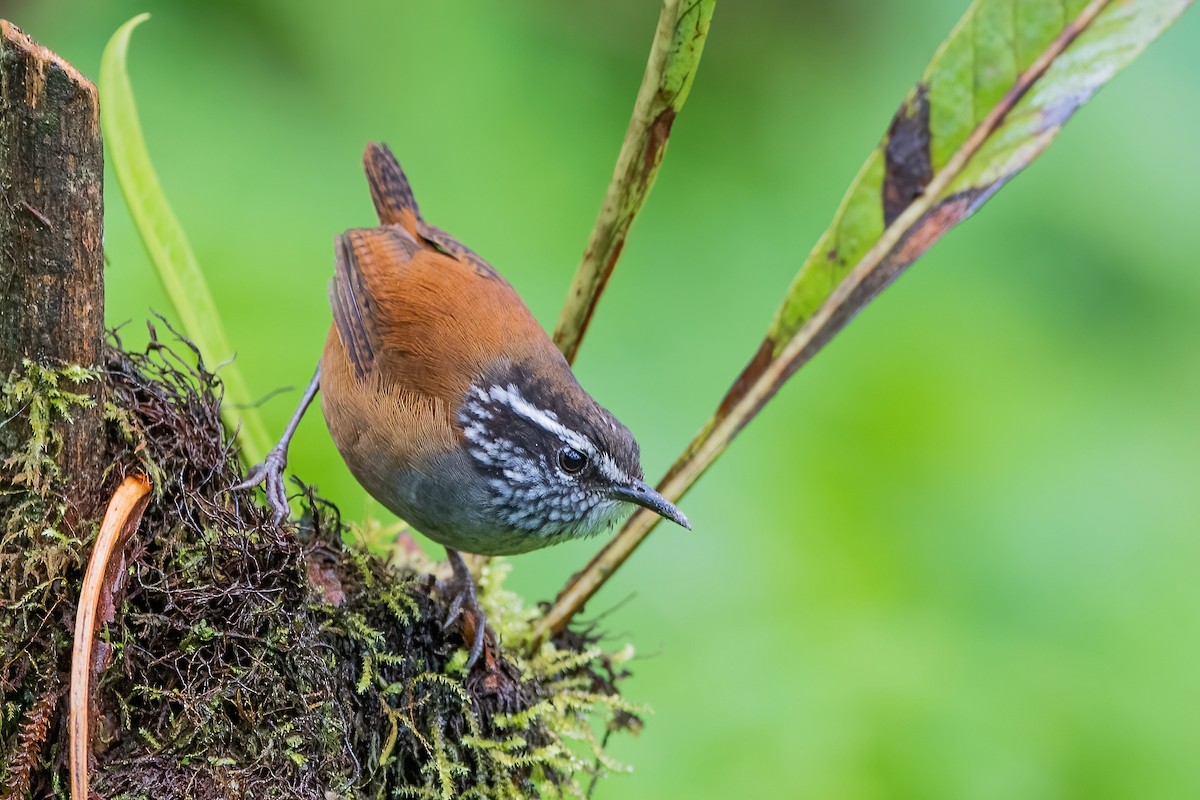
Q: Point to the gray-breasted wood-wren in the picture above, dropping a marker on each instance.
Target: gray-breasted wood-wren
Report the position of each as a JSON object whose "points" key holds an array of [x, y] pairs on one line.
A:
{"points": [[450, 404]]}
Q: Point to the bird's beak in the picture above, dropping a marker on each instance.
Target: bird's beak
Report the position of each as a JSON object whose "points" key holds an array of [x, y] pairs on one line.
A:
{"points": [[640, 494]]}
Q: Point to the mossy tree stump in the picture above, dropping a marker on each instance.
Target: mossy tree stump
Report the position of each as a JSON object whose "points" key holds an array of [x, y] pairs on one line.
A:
{"points": [[51, 253]]}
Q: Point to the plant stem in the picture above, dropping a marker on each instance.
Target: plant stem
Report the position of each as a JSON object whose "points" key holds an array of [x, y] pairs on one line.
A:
{"points": [[674, 57]]}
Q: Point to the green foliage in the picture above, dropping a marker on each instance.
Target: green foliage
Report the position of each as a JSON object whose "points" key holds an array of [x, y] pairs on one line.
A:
{"points": [[991, 54], [1049, 63], [35, 553], [671, 68]]}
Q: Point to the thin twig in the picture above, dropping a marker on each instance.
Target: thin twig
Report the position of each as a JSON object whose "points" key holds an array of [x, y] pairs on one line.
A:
{"points": [[674, 57]]}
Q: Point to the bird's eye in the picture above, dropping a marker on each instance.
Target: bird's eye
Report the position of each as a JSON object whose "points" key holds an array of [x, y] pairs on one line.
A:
{"points": [[571, 460]]}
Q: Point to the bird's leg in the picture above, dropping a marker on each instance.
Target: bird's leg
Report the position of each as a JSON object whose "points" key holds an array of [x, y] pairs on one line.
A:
{"points": [[270, 471], [464, 605]]}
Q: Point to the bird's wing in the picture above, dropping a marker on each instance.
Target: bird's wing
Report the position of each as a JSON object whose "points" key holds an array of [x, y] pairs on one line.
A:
{"points": [[412, 316], [395, 204], [358, 256]]}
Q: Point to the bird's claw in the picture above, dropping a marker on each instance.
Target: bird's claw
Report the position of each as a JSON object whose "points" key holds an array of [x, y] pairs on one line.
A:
{"points": [[474, 622], [270, 474]]}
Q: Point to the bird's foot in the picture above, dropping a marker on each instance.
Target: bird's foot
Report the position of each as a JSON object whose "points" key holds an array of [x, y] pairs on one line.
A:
{"points": [[270, 474], [464, 608]]}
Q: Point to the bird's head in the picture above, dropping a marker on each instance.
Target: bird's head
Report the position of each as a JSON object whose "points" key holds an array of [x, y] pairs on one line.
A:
{"points": [[556, 462]]}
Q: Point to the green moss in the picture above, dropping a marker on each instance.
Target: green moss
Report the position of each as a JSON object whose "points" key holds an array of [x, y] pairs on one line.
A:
{"points": [[35, 552], [254, 661], [39, 561], [546, 746], [36, 393]]}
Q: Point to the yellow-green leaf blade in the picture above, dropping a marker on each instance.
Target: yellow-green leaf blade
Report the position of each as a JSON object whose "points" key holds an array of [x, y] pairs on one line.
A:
{"points": [[165, 241], [965, 146]]}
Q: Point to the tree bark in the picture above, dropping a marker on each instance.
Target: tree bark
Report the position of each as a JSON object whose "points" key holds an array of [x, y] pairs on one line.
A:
{"points": [[51, 253]]}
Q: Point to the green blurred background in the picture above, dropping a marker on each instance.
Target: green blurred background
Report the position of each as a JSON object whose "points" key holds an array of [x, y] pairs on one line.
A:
{"points": [[957, 556]]}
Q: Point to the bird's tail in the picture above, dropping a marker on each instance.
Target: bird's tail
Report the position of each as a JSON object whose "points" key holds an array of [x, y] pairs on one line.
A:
{"points": [[396, 205], [390, 191]]}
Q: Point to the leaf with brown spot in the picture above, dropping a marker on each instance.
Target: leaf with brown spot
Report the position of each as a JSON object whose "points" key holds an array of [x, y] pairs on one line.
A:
{"points": [[994, 96]]}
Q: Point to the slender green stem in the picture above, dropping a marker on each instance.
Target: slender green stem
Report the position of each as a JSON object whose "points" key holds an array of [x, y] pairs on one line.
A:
{"points": [[674, 57]]}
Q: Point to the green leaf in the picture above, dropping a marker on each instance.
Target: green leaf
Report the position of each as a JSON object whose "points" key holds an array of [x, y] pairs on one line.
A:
{"points": [[166, 243], [994, 96]]}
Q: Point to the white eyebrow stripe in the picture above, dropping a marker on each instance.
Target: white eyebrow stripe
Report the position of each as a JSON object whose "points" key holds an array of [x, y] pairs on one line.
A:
{"points": [[546, 420]]}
